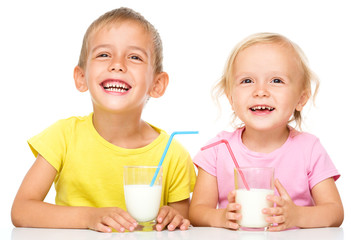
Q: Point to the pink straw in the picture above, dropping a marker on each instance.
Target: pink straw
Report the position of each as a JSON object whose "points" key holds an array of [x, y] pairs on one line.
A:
{"points": [[233, 158]]}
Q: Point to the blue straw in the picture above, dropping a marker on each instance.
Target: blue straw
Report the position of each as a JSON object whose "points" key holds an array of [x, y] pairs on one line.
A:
{"points": [[165, 151]]}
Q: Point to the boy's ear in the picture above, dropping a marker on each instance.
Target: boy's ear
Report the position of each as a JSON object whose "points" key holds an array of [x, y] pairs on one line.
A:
{"points": [[161, 81], [79, 79], [303, 100]]}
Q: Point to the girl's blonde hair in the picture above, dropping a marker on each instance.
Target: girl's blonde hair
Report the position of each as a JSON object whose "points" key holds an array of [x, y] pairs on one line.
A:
{"points": [[116, 16], [224, 85]]}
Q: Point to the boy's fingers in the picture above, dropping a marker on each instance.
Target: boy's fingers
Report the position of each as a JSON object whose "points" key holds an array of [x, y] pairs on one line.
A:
{"points": [[185, 224], [176, 221], [110, 222], [162, 214], [102, 228], [128, 218], [124, 223]]}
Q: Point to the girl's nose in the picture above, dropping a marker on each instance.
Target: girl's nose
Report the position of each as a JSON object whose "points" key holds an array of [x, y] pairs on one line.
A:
{"points": [[261, 90]]}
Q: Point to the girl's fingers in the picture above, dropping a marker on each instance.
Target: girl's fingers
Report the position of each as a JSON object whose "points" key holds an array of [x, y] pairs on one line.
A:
{"points": [[275, 219], [276, 199], [273, 211], [232, 225], [232, 196], [231, 207], [277, 228], [232, 216]]}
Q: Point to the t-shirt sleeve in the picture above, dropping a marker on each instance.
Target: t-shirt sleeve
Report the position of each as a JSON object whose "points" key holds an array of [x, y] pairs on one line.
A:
{"points": [[183, 178], [207, 159], [321, 166], [51, 144]]}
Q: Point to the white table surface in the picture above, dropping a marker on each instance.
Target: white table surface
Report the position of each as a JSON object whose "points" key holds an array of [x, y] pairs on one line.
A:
{"points": [[194, 233]]}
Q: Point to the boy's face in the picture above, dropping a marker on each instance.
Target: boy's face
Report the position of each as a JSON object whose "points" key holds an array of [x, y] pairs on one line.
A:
{"points": [[267, 86], [119, 70]]}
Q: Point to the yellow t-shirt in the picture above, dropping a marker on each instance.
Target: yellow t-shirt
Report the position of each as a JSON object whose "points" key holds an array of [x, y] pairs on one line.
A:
{"points": [[90, 169]]}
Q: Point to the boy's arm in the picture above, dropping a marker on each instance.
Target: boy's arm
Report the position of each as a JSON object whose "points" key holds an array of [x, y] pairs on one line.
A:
{"points": [[181, 207], [29, 210], [327, 212], [203, 210]]}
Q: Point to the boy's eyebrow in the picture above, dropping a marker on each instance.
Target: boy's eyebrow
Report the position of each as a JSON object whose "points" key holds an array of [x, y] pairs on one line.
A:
{"points": [[139, 49], [101, 46], [130, 47]]}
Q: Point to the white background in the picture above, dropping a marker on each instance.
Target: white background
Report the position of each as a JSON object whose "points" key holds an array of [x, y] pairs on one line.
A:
{"points": [[40, 44]]}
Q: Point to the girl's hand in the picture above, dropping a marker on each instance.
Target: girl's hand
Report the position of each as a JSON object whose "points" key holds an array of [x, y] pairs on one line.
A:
{"points": [[104, 219], [284, 215], [231, 216], [169, 216]]}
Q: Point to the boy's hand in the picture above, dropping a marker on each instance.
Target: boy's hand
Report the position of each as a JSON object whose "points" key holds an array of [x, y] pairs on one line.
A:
{"points": [[231, 216], [104, 219], [169, 216], [284, 215]]}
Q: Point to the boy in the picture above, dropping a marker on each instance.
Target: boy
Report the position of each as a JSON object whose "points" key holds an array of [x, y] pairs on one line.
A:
{"points": [[121, 66]]}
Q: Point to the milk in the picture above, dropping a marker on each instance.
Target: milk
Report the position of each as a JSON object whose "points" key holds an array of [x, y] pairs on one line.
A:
{"points": [[252, 203], [142, 201]]}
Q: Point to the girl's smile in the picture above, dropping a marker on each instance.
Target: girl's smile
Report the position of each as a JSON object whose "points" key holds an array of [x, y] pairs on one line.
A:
{"points": [[267, 86]]}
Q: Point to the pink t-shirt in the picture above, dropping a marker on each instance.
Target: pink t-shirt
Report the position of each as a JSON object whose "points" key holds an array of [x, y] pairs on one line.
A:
{"points": [[299, 164]]}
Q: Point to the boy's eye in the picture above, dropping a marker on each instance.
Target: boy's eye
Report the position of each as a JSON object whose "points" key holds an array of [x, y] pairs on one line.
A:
{"points": [[135, 57]]}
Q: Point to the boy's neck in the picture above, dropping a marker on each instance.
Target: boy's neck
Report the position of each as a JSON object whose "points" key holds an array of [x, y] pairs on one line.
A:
{"points": [[124, 130], [265, 141]]}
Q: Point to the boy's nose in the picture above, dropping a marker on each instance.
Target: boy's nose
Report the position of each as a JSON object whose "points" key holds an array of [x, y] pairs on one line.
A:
{"points": [[117, 66]]}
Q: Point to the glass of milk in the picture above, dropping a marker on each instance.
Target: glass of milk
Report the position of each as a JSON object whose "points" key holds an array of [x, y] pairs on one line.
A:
{"points": [[142, 200], [261, 183]]}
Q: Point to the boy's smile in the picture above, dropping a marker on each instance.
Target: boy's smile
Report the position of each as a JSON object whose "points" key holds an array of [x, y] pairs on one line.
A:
{"points": [[119, 70], [115, 86]]}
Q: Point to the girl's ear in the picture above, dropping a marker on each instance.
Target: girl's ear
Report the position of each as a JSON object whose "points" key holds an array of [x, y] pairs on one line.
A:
{"points": [[161, 81], [79, 79], [303, 100]]}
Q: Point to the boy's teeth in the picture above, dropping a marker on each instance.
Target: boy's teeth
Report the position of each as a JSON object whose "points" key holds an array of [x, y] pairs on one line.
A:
{"points": [[116, 87]]}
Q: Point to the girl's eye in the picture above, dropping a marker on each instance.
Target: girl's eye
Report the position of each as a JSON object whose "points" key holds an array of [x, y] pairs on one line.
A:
{"points": [[277, 80], [103, 55], [247, 81]]}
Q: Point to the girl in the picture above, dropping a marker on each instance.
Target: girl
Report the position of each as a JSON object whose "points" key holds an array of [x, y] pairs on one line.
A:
{"points": [[268, 82]]}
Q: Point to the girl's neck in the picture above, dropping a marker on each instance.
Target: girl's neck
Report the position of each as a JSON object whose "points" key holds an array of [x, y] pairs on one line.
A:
{"points": [[123, 130], [264, 141]]}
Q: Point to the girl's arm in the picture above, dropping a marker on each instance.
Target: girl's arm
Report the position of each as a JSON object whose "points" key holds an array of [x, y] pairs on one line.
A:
{"points": [[203, 211], [29, 210], [327, 212]]}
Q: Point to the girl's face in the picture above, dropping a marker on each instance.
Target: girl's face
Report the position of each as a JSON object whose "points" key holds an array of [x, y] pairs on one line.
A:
{"points": [[267, 86]]}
